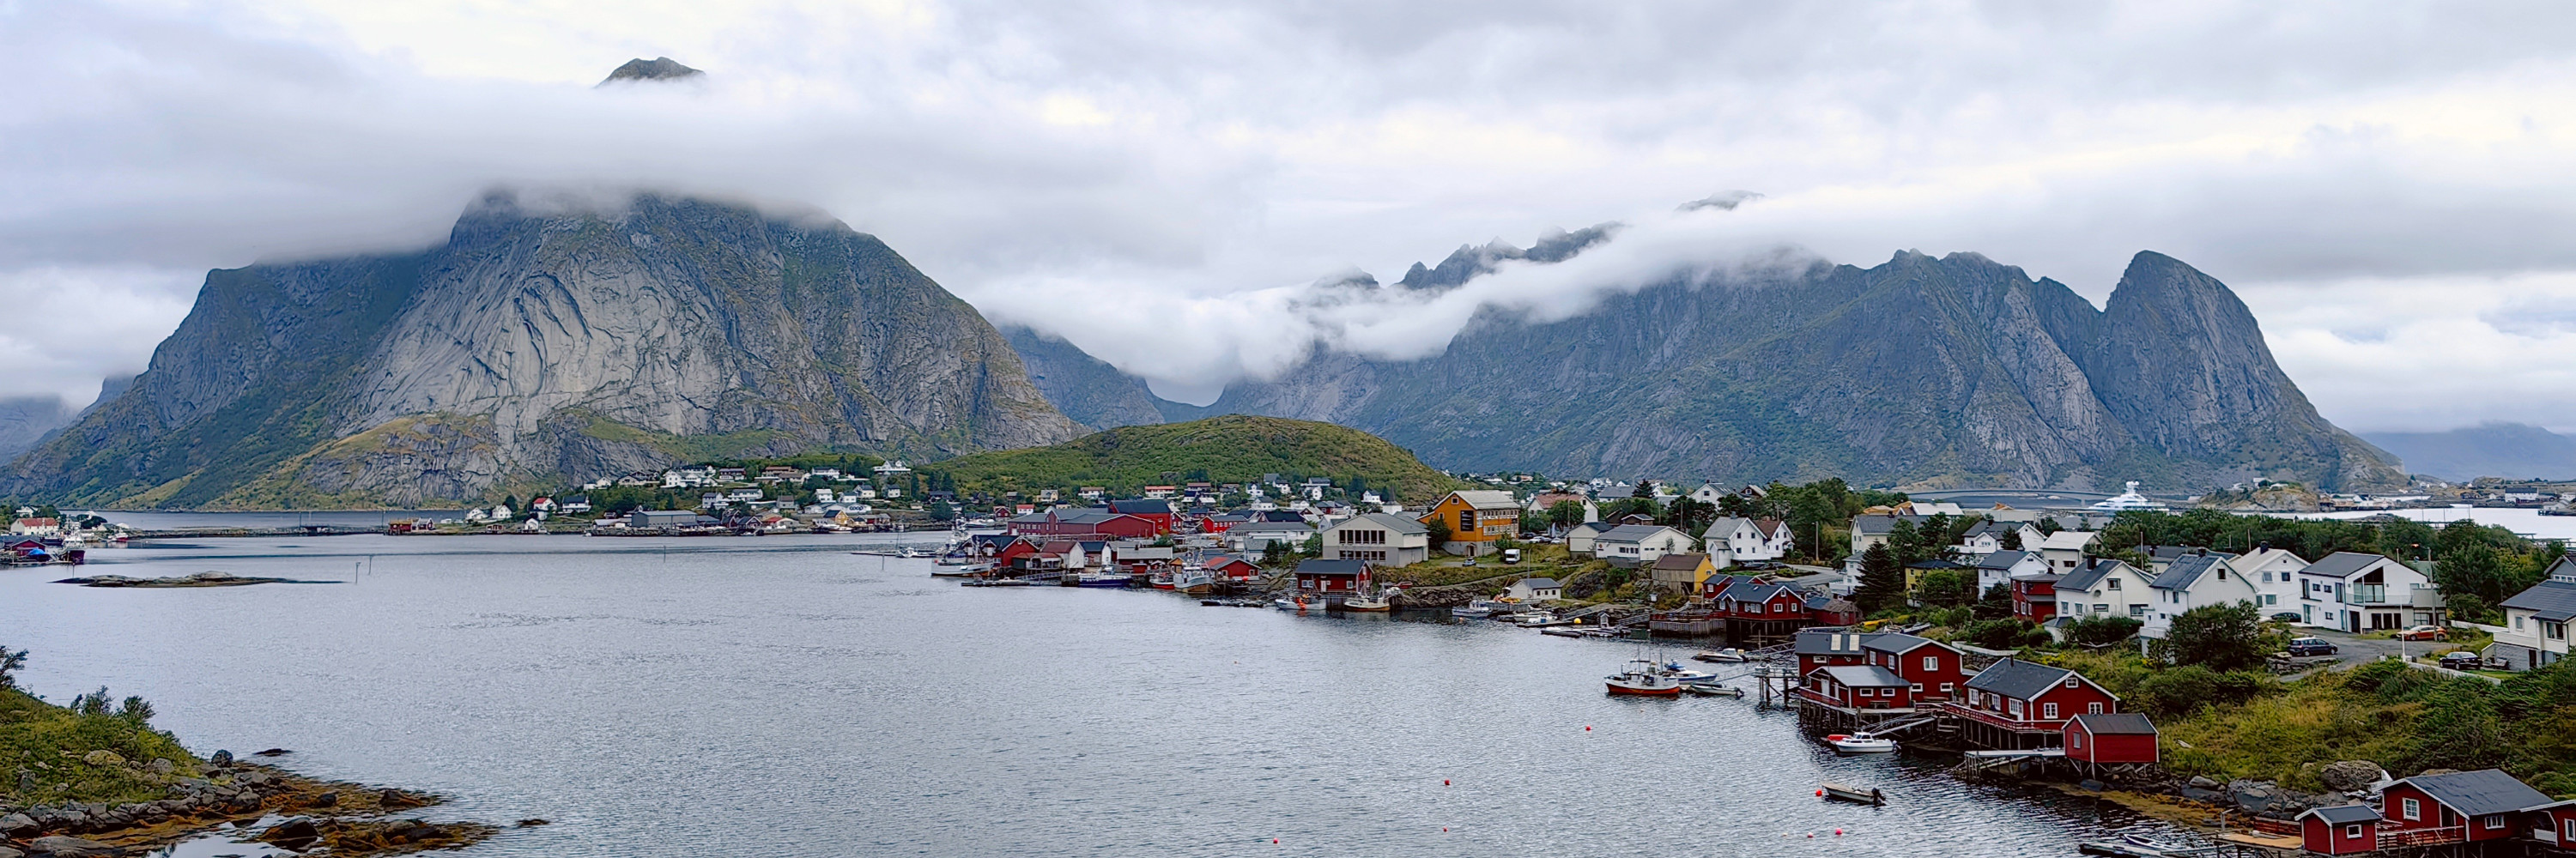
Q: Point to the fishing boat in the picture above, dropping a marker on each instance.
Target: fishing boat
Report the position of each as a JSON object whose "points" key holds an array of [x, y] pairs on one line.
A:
{"points": [[1298, 603], [1673, 670], [1861, 743], [1839, 792], [1367, 601], [1712, 689], [1478, 609], [1194, 581], [1729, 654], [963, 571], [1640, 678], [1160, 580], [1104, 579], [1542, 620], [2131, 846]]}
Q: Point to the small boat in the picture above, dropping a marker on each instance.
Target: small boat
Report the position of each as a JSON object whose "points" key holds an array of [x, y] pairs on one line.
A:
{"points": [[1296, 604], [2130, 845], [1673, 670], [1477, 609], [1367, 602], [1729, 654], [1839, 792], [1542, 620], [1105, 579], [1160, 580], [1861, 743], [1712, 689], [1640, 678], [1195, 582]]}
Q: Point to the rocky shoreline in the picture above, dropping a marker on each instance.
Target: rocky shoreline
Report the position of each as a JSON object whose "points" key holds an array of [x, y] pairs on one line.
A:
{"points": [[251, 802]]}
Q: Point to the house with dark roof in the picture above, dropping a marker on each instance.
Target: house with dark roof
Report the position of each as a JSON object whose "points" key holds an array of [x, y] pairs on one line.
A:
{"points": [[2104, 587], [2034, 596], [1858, 688], [1534, 590], [1987, 537], [2193, 581], [2456, 807], [1827, 647], [1155, 510], [2536, 622], [1634, 545], [2018, 705], [2347, 829], [1680, 573], [1476, 519], [2359, 592], [1256, 536], [1932, 669], [1322, 577], [1735, 539], [2110, 739], [1578, 539], [1869, 530], [2272, 571], [1998, 567]]}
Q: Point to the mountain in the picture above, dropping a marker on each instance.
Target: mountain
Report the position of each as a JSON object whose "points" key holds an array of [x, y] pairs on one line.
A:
{"points": [[1085, 388], [1230, 449], [26, 420], [542, 345], [2509, 450], [657, 68], [1921, 372]]}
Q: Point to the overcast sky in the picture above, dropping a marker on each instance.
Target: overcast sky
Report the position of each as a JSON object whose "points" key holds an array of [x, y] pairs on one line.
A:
{"points": [[2390, 186]]}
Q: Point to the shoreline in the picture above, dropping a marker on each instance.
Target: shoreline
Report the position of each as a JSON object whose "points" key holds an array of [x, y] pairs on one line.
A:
{"points": [[252, 802]]}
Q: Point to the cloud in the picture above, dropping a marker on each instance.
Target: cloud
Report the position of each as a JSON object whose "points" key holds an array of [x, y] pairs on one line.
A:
{"points": [[1165, 183]]}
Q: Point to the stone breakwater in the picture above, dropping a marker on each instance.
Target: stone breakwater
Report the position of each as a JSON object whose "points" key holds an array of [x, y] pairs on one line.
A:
{"points": [[251, 802]]}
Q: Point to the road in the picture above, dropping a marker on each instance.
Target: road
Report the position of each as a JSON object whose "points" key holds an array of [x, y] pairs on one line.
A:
{"points": [[2352, 649]]}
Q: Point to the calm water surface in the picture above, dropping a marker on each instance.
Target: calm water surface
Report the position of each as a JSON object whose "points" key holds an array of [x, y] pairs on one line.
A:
{"points": [[780, 696]]}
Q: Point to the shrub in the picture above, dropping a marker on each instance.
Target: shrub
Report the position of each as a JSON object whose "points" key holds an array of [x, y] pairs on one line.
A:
{"points": [[2099, 629], [2181, 691], [2007, 633]]}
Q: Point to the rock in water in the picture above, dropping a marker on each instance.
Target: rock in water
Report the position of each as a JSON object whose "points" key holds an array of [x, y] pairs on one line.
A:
{"points": [[546, 344], [59, 846]]}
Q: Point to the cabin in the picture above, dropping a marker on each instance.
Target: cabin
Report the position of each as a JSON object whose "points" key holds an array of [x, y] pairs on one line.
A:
{"points": [[1931, 668], [2110, 739], [2554, 824], [1578, 539], [1987, 537], [1634, 545], [1854, 687], [1757, 608], [1331, 576], [1680, 573], [2359, 592], [1232, 567], [1829, 647], [1154, 510], [2349, 829], [2020, 705], [2454, 808], [1476, 520], [1534, 590], [1221, 522], [1827, 609], [1386, 540]]}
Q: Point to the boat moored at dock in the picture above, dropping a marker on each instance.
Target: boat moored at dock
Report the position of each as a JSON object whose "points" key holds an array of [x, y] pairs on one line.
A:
{"points": [[1642, 678]]}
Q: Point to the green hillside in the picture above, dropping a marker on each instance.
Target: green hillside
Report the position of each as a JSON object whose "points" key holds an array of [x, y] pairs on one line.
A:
{"points": [[1235, 448]]}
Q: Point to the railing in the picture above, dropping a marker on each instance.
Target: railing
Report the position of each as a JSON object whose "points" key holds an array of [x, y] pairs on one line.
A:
{"points": [[2422, 836], [1999, 719]]}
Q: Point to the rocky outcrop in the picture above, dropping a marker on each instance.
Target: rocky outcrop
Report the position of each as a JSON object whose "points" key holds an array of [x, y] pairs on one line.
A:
{"points": [[26, 420], [1085, 388], [1925, 372], [546, 344]]}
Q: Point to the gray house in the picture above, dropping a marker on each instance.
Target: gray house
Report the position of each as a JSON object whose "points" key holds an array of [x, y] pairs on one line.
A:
{"points": [[1379, 538]]}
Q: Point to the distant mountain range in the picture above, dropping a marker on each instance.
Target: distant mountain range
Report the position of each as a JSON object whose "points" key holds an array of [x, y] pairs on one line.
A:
{"points": [[2509, 450], [540, 346], [1922, 372]]}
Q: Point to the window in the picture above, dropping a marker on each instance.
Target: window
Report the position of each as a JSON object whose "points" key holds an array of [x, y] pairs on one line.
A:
{"points": [[2495, 822], [2048, 711], [2571, 830], [2517, 622], [2115, 583], [2352, 831], [1947, 686], [2414, 809], [1931, 662], [2077, 740], [2556, 631], [1364, 537], [2016, 709], [2267, 577], [2093, 708], [2137, 610], [1917, 688], [2100, 608], [2071, 680]]}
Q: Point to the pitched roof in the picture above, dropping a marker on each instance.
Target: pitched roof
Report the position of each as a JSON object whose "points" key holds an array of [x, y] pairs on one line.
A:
{"points": [[1897, 643], [2343, 814], [2005, 559], [2551, 600], [1725, 526], [2185, 571], [1935, 563], [1750, 590], [1684, 562], [1142, 506], [1329, 567], [2087, 575], [2480, 792], [1488, 500], [2068, 540], [1592, 527], [1874, 525], [1831, 642], [2018, 679], [1540, 583], [1395, 523], [2116, 724], [1864, 676], [1633, 532], [2342, 564]]}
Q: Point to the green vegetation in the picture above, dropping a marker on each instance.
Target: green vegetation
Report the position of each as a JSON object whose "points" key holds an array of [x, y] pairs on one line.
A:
{"points": [[90, 751], [1819, 513], [1231, 449], [2476, 565]]}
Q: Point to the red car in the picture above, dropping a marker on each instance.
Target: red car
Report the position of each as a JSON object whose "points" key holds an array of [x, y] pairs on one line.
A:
{"points": [[2424, 633]]}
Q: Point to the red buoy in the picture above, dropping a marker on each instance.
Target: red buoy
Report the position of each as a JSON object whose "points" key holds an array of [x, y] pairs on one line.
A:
{"points": [[1838, 832], [1444, 782], [1820, 793]]}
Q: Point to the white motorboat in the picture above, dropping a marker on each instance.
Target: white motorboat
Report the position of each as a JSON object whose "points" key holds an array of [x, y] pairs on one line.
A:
{"points": [[1640, 678], [1477, 609], [1367, 602], [1712, 689], [1729, 654], [2128, 501], [1861, 743], [1673, 670]]}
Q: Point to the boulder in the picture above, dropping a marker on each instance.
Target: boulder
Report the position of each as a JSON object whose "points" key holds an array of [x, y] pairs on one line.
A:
{"points": [[2350, 775], [2203, 782], [221, 758], [58, 846], [326, 799], [18, 825], [6, 852], [162, 766]]}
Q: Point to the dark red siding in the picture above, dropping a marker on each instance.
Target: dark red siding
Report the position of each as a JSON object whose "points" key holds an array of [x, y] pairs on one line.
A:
{"points": [[2326, 839]]}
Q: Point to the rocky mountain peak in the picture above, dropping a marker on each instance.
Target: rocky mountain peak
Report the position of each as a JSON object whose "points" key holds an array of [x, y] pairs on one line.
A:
{"points": [[657, 68]]}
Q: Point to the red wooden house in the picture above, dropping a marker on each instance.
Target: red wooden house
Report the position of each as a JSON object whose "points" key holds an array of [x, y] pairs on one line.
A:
{"points": [[1060, 522], [1331, 576], [1153, 510], [1828, 647], [1232, 567], [2349, 829], [2034, 596], [1931, 667], [2019, 705], [1832, 611], [2554, 824], [1859, 687], [2110, 739], [2457, 807]]}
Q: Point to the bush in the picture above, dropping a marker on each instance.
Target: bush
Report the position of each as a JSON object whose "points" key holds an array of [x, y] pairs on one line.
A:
{"points": [[2100, 629], [2008, 633], [2181, 691], [2219, 637]]}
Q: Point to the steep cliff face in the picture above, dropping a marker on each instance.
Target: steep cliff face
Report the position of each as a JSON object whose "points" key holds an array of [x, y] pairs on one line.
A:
{"points": [[1085, 388], [25, 420], [1920, 371], [542, 345]]}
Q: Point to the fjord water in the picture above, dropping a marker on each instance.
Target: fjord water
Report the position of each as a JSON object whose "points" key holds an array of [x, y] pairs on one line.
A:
{"points": [[781, 696]]}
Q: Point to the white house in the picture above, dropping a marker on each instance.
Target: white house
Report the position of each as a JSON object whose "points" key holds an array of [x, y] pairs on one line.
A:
{"points": [[2105, 587], [2535, 625], [2269, 570], [1378, 538], [2064, 550], [1256, 536], [2193, 581], [1534, 590], [1733, 539], [2359, 592], [1578, 541], [1998, 567], [1987, 537], [1639, 544], [1707, 493]]}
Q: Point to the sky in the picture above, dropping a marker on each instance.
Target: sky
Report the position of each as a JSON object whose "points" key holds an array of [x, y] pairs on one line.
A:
{"points": [[2390, 186]]}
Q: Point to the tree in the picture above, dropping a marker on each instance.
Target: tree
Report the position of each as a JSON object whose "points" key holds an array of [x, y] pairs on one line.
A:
{"points": [[1946, 588], [2011, 540], [2473, 569], [511, 501], [1905, 541], [11, 663], [2048, 525], [1645, 489], [1441, 533], [940, 510], [1275, 554], [1565, 513], [2004, 633], [2102, 629], [1996, 603], [1690, 516], [2222, 638], [2458, 730], [1882, 580]]}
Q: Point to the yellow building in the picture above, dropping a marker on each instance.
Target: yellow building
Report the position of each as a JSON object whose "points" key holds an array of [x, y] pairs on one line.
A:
{"points": [[1476, 519], [1682, 573]]}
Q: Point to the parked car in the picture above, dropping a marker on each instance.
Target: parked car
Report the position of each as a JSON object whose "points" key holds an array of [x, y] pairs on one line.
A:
{"points": [[2424, 633], [2287, 617], [2305, 647], [2462, 661]]}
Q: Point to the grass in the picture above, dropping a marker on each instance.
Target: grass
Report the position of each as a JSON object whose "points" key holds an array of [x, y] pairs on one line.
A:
{"points": [[56, 745], [1230, 449]]}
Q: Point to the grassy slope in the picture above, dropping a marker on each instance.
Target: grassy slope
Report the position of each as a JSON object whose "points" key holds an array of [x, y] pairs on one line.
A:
{"points": [[1232, 448], [35, 736]]}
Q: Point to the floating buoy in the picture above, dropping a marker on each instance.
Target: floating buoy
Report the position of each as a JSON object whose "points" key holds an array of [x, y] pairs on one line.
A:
{"points": [[1811, 835], [1587, 728], [1274, 841], [1444, 782], [1820, 793], [1838, 832]]}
